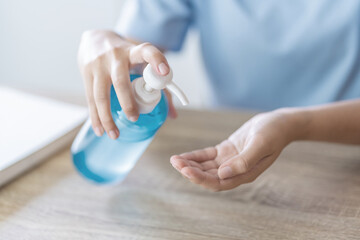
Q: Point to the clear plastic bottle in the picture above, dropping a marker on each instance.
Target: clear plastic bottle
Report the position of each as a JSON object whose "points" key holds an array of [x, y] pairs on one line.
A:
{"points": [[104, 160]]}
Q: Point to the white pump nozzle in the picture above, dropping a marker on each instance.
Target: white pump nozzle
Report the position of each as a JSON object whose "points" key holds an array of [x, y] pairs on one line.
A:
{"points": [[159, 82], [147, 89], [178, 93]]}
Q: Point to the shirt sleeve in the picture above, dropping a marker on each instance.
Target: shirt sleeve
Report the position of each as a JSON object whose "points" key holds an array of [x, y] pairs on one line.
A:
{"points": [[163, 23]]}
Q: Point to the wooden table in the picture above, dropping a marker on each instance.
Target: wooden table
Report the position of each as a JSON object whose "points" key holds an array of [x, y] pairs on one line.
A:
{"points": [[311, 192]]}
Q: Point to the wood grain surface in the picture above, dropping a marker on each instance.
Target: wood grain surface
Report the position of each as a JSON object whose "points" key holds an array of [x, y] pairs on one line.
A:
{"points": [[311, 192]]}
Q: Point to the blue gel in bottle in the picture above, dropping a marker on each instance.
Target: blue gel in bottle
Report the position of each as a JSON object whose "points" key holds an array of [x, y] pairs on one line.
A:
{"points": [[103, 160]]}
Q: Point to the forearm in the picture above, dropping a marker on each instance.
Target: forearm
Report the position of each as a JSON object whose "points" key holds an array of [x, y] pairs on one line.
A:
{"points": [[336, 122]]}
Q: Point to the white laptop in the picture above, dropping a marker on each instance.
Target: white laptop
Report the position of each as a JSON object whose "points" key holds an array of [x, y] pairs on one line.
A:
{"points": [[32, 128]]}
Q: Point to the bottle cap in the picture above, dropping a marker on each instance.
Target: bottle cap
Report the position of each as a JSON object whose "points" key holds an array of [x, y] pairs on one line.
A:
{"points": [[147, 89]]}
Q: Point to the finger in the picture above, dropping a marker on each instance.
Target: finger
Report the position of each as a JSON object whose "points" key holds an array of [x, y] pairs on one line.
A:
{"points": [[102, 101], [245, 160], [252, 175], [95, 120], [172, 109], [209, 165], [205, 179], [146, 52], [122, 85], [225, 150], [201, 154], [212, 171], [210, 180], [178, 162]]}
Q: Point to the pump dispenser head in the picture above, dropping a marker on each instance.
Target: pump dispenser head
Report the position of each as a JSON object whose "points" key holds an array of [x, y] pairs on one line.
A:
{"points": [[147, 89]]}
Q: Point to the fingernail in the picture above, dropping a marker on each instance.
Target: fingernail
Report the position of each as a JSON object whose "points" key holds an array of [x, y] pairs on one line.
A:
{"points": [[225, 172], [163, 68], [112, 134], [98, 131], [133, 118]]}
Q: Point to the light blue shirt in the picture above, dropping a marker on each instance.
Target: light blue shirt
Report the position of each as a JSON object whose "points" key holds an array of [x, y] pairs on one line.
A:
{"points": [[261, 54]]}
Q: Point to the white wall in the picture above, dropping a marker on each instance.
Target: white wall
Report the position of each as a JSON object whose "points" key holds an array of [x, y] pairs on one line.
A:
{"points": [[39, 40]]}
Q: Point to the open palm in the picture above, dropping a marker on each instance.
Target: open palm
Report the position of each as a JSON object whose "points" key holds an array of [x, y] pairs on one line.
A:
{"points": [[240, 159]]}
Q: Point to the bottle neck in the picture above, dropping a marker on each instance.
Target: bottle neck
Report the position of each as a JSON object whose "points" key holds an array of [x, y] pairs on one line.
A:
{"points": [[146, 97], [148, 88]]}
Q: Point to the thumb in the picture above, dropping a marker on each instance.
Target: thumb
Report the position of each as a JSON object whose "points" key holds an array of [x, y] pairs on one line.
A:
{"points": [[242, 162]]}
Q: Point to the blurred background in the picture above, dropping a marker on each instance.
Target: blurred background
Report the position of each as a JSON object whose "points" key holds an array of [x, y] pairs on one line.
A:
{"points": [[39, 42]]}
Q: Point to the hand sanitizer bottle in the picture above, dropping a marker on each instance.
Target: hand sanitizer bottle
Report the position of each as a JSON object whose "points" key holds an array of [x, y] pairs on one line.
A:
{"points": [[104, 160]]}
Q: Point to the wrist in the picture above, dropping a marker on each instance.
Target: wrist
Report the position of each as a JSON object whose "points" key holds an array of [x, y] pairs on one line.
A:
{"points": [[297, 122]]}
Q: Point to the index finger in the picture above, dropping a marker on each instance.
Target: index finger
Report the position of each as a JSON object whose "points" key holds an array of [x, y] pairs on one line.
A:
{"points": [[147, 53], [201, 155]]}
